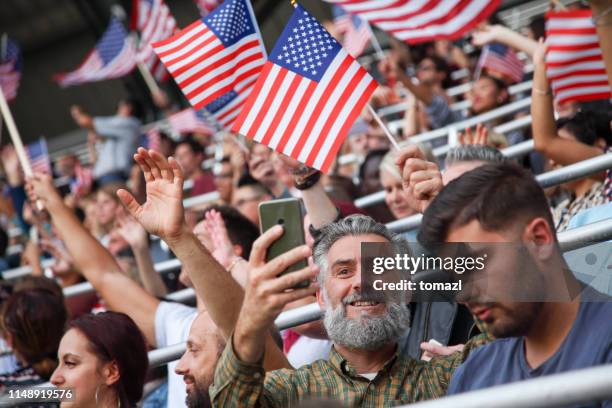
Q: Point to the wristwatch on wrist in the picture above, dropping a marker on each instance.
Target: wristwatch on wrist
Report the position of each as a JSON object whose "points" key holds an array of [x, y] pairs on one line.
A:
{"points": [[308, 180]]}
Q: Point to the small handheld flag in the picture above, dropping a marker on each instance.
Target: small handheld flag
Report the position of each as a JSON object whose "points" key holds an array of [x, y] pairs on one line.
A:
{"points": [[216, 54], [308, 95], [113, 56], [10, 68], [574, 62], [415, 21]]}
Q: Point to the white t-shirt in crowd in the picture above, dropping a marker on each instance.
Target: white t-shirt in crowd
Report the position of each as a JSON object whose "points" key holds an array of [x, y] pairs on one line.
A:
{"points": [[307, 350], [172, 324]]}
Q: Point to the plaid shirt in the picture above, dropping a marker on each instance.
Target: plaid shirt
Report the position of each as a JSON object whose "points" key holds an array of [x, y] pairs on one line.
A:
{"points": [[401, 381]]}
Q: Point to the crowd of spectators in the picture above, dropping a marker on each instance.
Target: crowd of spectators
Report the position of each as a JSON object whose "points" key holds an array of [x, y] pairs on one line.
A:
{"points": [[121, 213]]}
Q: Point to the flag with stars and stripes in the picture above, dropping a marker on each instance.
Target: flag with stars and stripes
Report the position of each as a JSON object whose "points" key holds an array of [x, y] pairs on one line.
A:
{"points": [[189, 121], [500, 59], [10, 68], [308, 95], [224, 110], [38, 155], [113, 56], [152, 18], [216, 54], [356, 32], [574, 62], [415, 21]]}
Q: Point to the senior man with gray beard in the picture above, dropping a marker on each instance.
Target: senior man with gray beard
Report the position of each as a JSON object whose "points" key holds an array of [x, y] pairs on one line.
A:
{"points": [[364, 367]]}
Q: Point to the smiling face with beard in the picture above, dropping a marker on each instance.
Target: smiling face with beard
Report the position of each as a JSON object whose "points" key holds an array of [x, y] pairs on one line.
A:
{"points": [[197, 365], [356, 318], [366, 332]]}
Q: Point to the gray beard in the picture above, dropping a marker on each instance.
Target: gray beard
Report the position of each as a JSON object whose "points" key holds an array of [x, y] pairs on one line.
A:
{"points": [[366, 332]]}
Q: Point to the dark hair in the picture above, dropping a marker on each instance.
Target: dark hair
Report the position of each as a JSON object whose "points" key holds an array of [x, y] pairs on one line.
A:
{"points": [[35, 319], [499, 84], [537, 25], [377, 154], [497, 195], [4, 240], [440, 64], [240, 229], [39, 282], [246, 180], [588, 126], [193, 144], [136, 107], [115, 337]]}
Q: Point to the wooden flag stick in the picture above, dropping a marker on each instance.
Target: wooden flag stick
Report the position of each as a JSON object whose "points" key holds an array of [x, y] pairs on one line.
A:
{"points": [[375, 44], [383, 126], [148, 78], [14, 134]]}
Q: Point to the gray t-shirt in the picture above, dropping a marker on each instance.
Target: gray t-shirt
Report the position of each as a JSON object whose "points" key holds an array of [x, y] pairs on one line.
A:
{"points": [[120, 139], [588, 344]]}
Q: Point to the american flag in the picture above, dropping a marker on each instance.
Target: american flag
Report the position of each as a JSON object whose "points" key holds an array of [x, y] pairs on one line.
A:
{"points": [[356, 32], [152, 139], [574, 63], [152, 18], [39, 157], [10, 68], [415, 21], [216, 54], [83, 181], [113, 56], [206, 6], [224, 110], [500, 59], [308, 95], [190, 121]]}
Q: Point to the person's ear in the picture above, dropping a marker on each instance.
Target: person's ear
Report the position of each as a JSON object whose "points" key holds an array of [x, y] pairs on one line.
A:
{"points": [[503, 96], [111, 373], [320, 299], [539, 236]]}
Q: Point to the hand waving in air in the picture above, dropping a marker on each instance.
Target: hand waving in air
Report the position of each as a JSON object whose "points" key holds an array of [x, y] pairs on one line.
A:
{"points": [[222, 248], [131, 231], [480, 137], [162, 214]]}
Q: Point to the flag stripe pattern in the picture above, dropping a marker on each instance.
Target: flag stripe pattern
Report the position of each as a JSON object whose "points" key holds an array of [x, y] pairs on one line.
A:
{"points": [[190, 121], [216, 54], [574, 63], [356, 32], [39, 157], [10, 70], [308, 95], [113, 56], [415, 21], [155, 23], [503, 60]]}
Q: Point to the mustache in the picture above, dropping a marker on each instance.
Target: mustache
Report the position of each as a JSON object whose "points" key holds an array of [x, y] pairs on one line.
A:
{"points": [[370, 296]]}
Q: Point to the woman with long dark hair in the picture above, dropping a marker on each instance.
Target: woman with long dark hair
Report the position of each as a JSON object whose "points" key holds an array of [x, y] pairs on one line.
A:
{"points": [[103, 360], [32, 324]]}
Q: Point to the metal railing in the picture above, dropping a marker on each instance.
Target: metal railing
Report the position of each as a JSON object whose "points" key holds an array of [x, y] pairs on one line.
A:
{"points": [[461, 125], [567, 173], [402, 106], [565, 389], [568, 240], [504, 128]]}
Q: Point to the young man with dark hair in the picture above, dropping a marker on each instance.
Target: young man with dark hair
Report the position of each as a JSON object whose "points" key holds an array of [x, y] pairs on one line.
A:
{"points": [[190, 155], [546, 320], [247, 196]]}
